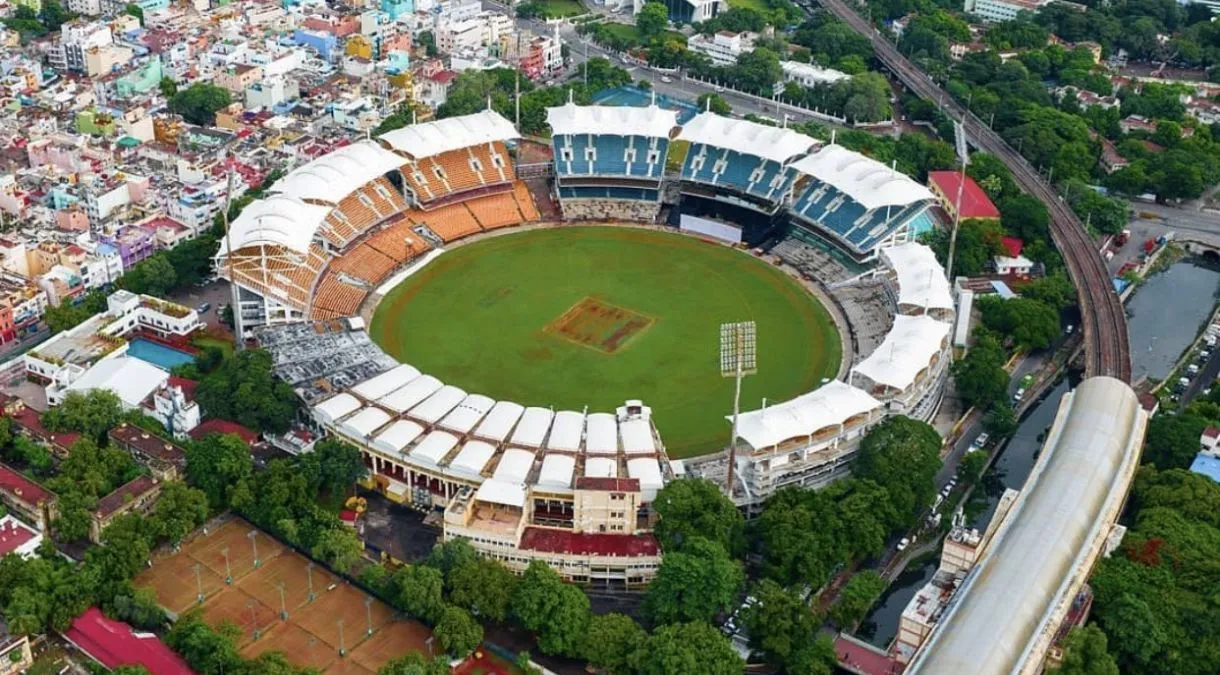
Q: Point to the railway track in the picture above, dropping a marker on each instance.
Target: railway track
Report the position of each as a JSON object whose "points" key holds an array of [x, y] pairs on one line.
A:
{"points": [[1103, 317]]}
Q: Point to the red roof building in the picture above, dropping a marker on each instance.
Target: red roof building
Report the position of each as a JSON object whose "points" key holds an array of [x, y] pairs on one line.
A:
{"points": [[975, 202], [26, 498], [17, 537], [114, 643], [1013, 246], [219, 426], [589, 544]]}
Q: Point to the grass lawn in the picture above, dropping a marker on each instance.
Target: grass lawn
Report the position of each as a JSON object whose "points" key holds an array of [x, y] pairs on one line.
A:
{"points": [[628, 32], [593, 316], [559, 9], [750, 4], [677, 155], [204, 341]]}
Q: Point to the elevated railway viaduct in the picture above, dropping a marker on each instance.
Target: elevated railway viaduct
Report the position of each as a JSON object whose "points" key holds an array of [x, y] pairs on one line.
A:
{"points": [[1102, 314]]}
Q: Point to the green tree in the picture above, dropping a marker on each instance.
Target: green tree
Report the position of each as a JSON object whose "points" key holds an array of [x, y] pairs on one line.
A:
{"points": [[972, 466], [152, 276], [448, 556], [557, 612], [140, 609], [208, 651], [419, 591], [693, 584], [340, 547], [780, 623], [1000, 420], [216, 464], [168, 87], [652, 20], [714, 103], [428, 41], [902, 455], [697, 508], [683, 648], [199, 103], [457, 631], [1030, 324], [610, 642], [485, 587], [136, 11], [179, 510], [92, 414], [802, 537], [334, 466], [244, 389], [1172, 441], [979, 376], [415, 663], [1084, 653], [858, 595]]}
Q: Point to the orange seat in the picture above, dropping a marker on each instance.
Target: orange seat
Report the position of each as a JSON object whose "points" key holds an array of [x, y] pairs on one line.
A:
{"points": [[451, 222]]}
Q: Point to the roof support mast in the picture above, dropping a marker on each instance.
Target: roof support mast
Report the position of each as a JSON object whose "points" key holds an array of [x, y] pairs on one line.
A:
{"points": [[236, 301]]}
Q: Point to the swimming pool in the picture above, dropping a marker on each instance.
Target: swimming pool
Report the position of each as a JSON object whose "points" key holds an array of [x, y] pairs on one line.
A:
{"points": [[638, 98], [157, 354]]}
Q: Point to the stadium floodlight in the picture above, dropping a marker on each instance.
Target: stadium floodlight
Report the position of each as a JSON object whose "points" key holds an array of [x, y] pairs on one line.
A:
{"points": [[738, 358]]}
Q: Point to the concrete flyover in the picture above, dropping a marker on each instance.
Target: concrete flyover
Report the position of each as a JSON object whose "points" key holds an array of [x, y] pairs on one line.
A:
{"points": [[1103, 317], [1006, 612]]}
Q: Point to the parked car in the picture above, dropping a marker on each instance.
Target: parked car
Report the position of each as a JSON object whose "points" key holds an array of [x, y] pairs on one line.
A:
{"points": [[666, 79], [203, 309], [902, 545]]}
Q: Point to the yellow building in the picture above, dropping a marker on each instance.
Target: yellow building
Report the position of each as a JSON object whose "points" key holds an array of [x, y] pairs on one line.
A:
{"points": [[359, 46]]}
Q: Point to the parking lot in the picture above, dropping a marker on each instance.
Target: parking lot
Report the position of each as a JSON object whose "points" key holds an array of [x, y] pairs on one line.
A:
{"points": [[397, 530]]}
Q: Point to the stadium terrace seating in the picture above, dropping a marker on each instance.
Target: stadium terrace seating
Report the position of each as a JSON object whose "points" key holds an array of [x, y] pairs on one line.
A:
{"points": [[605, 192], [399, 242], [495, 211], [426, 187], [359, 212], [610, 155], [738, 171], [849, 221], [525, 201], [364, 262], [611, 209], [337, 297], [497, 165], [282, 275], [451, 222]]}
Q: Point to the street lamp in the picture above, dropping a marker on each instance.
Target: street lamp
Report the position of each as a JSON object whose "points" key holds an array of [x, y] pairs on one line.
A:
{"points": [[738, 358]]}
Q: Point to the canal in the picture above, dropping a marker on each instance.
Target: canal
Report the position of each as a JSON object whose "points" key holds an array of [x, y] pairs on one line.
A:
{"points": [[1165, 315]]}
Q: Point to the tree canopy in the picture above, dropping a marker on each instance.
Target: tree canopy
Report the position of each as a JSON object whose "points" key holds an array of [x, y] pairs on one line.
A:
{"points": [[244, 389], [199, 102], [697, 508]]}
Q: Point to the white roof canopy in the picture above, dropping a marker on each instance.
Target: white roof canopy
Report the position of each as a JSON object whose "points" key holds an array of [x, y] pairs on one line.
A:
{"points": [[532, 428], [601, 435], [334, 176], [433, 448], [906, 350], [278, 220], [921, 279], [514, 466], [451, 133], [648, 472], [831, 404], [601, 467], [471, 459], [637, 437], [750, 138], [397, 436], [499, 421], [438, 404], [566, 431], [403, 399], [869, 182], [364, 423], [499, 492], [332, 409], [467, 414], [619, 120], [557, 471], [376, 387]]}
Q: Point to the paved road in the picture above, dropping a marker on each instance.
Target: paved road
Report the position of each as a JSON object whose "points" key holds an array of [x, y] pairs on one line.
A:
{"points": [[677, 87]]}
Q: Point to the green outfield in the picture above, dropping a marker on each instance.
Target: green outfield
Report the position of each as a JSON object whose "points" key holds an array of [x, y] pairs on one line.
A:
{"points": [[592, 316]]}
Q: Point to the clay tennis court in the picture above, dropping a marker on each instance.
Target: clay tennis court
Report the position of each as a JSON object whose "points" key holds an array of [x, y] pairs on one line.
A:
{"points": [[233, 537], [242, 610], [344, 603], [291, 571], [172, 578], [300, 646], [310, 636], [389, 642]]}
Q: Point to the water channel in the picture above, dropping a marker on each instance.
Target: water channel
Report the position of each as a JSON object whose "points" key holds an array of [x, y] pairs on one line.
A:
{"points": [[1164, 317]]}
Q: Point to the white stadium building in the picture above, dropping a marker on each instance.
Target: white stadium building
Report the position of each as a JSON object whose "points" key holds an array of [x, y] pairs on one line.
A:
{"points": [[570, 487]]}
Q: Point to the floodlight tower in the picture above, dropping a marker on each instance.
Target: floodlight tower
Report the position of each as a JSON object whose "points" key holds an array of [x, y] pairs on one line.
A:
{"points": [[963, 154], [738, 358]]}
